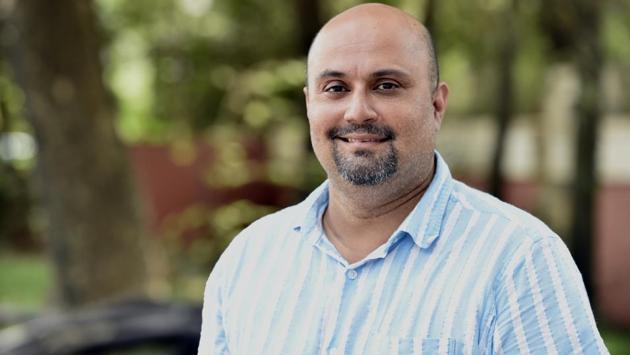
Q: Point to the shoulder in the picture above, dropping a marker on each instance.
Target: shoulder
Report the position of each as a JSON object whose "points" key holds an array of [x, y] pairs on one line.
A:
{"points": [[481, 202], [273, 222], [283, 223], [261, 235], [272, 226], [517, 232]]}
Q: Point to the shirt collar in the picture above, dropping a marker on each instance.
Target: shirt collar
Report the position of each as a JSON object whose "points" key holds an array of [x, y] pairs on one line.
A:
{"points": [[309, 211], [422, 224]]}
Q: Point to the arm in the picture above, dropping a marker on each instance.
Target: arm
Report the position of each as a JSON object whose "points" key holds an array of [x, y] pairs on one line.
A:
{"points": [[212, 332], [542, 306]]}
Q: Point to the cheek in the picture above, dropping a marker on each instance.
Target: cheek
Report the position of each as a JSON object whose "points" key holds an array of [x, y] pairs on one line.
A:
{"points": [[321, 120], [322, 146], [318, 127], [320, 113], [416, 131], [318, 130]]}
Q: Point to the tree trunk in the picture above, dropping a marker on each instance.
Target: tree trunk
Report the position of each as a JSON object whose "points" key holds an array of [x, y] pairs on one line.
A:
{"points": [[505, 97], [93, 224], [309, 22], [588, 56]]}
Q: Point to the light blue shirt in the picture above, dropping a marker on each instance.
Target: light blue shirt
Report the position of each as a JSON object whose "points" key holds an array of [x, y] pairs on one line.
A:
{"points": [[463, 274]]}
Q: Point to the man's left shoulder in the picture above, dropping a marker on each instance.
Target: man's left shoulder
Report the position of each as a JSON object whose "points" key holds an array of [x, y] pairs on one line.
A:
{"points": [[535, 284], [519, 238], [526, 227]]}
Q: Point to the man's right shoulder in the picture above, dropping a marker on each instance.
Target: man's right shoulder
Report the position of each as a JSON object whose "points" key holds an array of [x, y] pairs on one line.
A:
{"points": [[256, 243], [284, 223], [279, 222], [268, 230]]}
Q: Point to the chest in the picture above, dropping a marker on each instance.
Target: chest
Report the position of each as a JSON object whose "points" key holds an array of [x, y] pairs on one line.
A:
{"points": [[409, 302]]}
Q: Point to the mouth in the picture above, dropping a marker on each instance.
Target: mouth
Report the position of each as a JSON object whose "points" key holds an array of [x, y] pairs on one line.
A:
{"points": [[366, 139], [362, 138]]}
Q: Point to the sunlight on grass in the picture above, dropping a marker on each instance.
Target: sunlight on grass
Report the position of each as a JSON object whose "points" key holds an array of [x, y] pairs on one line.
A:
{"points": [[24, 281]]}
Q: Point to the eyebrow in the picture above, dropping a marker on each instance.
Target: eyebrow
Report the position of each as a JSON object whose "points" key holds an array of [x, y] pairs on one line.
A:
{"points": [[376, 74], [390, 72], [331, 74]]}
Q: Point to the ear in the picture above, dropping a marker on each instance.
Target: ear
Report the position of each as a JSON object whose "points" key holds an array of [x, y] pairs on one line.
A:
{"points": [[305, 91], [440, 101]]}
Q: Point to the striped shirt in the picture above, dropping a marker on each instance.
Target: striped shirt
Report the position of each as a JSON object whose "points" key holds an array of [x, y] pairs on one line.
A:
{"points": [[463, 274]]}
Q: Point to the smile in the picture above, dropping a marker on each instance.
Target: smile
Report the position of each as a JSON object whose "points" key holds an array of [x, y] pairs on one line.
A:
{"points": [[363, 139], [362, 136]]}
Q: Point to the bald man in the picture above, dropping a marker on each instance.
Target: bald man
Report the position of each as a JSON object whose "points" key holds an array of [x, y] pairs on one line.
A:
{"points": [[391, 255]]}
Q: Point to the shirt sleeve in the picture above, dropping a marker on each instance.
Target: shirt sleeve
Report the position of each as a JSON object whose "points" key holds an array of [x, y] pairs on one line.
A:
{"points": [[213, 340], [542, 306]]}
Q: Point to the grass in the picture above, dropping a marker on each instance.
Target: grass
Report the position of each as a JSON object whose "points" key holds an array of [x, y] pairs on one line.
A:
{"points": [[26, 279], [617, 342]]}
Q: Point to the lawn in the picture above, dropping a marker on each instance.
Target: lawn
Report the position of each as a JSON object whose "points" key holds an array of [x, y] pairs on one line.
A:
{"points": [[24, 281]]}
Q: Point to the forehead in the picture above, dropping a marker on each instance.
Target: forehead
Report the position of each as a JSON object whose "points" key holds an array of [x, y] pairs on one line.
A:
{"points": [[365, 46]]}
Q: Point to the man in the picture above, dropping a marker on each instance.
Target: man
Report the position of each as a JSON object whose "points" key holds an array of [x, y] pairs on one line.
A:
{"points": [[391, 255]]}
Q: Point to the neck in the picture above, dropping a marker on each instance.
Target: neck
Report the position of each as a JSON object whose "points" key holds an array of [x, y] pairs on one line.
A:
{"points": [[360, 219]]}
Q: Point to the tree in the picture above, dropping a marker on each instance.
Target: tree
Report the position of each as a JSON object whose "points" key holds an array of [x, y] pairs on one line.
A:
{"points": [[310, 21], [504, 105], [85, 187], [588, 57], [574, 29]]}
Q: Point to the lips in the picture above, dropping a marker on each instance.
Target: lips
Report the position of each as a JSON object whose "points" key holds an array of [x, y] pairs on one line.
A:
{"points": [[366, 133], [362, 139]]}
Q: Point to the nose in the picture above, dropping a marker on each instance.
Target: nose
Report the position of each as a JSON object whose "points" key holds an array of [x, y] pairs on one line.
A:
{"points": [[360, 109]]}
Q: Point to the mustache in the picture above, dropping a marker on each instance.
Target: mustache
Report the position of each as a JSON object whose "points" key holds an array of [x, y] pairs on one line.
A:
{"points": [[384, 132]]}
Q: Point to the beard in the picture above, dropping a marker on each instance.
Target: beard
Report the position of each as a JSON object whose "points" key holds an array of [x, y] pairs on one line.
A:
{"points": [[364, 167]]}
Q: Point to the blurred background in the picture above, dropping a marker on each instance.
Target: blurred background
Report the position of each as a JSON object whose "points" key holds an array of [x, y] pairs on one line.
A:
{"points": [[138, 137]]}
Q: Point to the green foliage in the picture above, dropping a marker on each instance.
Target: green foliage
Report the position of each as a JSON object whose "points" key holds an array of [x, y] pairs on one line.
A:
{"points": [[616, 37], [186, 66], [196, 237], [15, 230], [230, 72], [13, 100]]}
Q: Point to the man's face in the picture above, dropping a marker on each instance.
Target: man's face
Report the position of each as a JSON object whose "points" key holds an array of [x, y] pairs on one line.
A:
{"points": [[370, 103]]}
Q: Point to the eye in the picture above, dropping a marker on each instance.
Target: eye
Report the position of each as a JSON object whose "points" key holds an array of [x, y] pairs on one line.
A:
{"points": [[387, 86], [335, 87]]}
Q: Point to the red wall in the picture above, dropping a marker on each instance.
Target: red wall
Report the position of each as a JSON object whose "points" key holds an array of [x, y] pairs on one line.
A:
{"points": [[613, 253]]}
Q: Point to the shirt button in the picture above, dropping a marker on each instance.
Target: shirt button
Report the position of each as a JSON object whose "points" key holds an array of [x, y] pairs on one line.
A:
{"points": [[351, 274]]}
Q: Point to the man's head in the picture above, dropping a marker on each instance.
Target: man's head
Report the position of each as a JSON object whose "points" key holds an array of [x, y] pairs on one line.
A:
{"points": [[424, 39], [373, 98]]}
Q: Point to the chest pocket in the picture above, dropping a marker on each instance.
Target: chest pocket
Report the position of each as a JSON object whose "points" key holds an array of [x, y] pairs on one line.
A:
{"points": [[426, 346]]}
